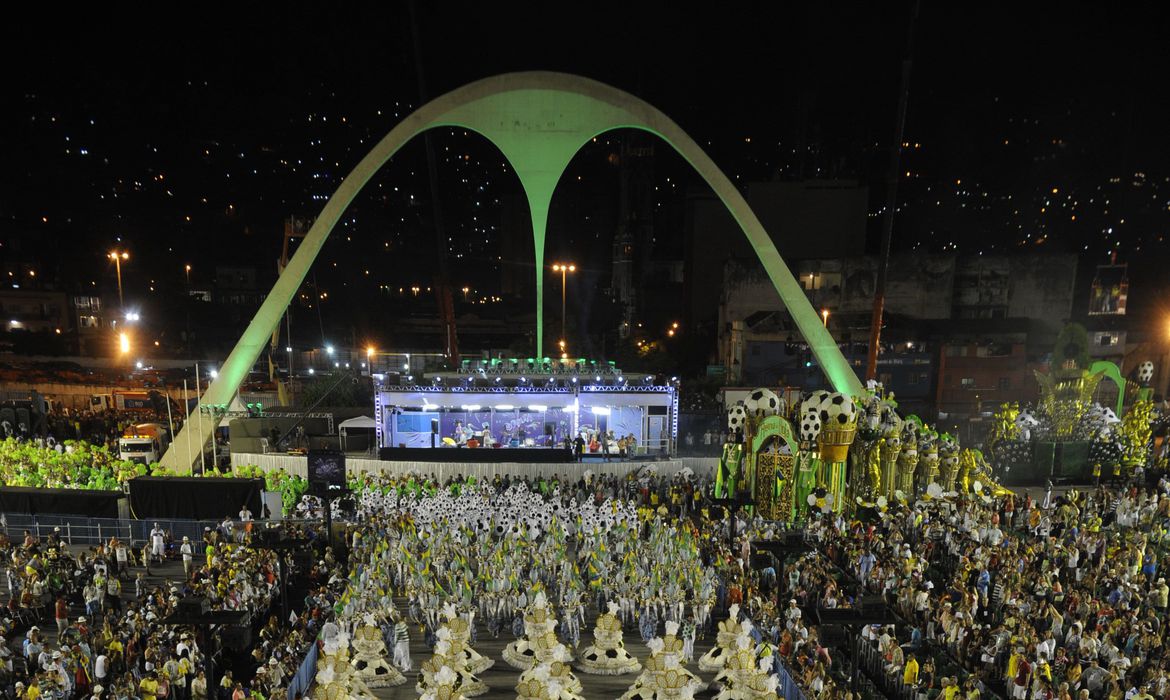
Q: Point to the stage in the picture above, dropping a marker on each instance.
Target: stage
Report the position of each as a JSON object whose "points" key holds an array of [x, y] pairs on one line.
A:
{"points": [[520, 416], [95, 504], [519, 455], [297, 465], [197, 498]]}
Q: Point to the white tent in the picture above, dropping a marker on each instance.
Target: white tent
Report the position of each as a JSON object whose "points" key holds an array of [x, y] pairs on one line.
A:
{"points": [[359, 423]]}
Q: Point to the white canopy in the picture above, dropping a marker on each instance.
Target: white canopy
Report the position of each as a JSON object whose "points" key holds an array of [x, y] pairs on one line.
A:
{"points": [[361, 422]]}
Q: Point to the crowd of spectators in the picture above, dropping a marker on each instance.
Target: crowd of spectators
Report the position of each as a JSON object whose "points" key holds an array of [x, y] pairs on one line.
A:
{"points": [[90, 624], [1031, 600]]}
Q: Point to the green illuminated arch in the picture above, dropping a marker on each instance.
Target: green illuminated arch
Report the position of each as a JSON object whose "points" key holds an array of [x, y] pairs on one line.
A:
{"points": [[1113, 373], [538, 121]]}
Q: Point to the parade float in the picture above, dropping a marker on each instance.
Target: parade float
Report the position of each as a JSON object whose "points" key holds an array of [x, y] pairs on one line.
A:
{"points": [[765, 462], [857, 452], [1068, 436], [758, 462]]}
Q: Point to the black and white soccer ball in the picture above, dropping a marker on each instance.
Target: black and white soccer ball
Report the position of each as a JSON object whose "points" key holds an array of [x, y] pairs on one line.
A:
{"points": [[762, 402], [737, 417], [810, 427], [837, 410], [1145, 372], [812, 401], [1025, 419], [1103, 415]]}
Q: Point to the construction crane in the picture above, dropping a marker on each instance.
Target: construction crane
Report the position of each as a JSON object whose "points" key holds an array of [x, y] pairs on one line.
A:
{"points": [[443, 294], [293, 228]]}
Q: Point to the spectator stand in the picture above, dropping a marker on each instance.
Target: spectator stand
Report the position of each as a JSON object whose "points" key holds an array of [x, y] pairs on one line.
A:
{"points": [[870, 659]]}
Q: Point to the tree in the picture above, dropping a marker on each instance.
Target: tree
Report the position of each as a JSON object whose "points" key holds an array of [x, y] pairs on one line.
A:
{"points": [[650, 358], [1071, 345]]}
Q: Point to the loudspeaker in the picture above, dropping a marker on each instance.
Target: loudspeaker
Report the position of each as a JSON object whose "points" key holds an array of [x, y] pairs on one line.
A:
{"points": [[194, 606], [236, 637], [268, 537], [793, 539], [833, 636], [549, 428], [434, 426], [303, 560]]}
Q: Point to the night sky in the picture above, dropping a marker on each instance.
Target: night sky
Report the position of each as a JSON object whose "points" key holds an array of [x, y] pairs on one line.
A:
{"points": [[188, 139]]}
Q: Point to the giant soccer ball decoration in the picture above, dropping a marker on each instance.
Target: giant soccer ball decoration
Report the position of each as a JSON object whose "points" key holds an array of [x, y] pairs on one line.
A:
{"points": [[837, 411], [1103, 415], [1026, 421], [812, 403], [737, 417], [1145, 372], [810, 427], [762, 402]]}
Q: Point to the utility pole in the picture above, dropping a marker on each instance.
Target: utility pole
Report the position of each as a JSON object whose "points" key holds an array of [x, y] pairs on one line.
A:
{"points": [[895, 166]]}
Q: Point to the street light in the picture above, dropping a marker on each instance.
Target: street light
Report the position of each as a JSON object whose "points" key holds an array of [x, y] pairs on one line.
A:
{"points": [[123, 343], [118, 257], [825, 317], [563, 269], [187, 269]]}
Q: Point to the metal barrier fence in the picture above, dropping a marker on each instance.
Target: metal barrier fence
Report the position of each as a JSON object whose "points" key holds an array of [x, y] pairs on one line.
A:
{"points": [[306, 672], [81, 530], [891, 684], [788, 689]]}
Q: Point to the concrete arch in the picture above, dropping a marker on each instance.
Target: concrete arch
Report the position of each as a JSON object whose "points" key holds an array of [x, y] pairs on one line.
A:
{"points": [[538, 120]]}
